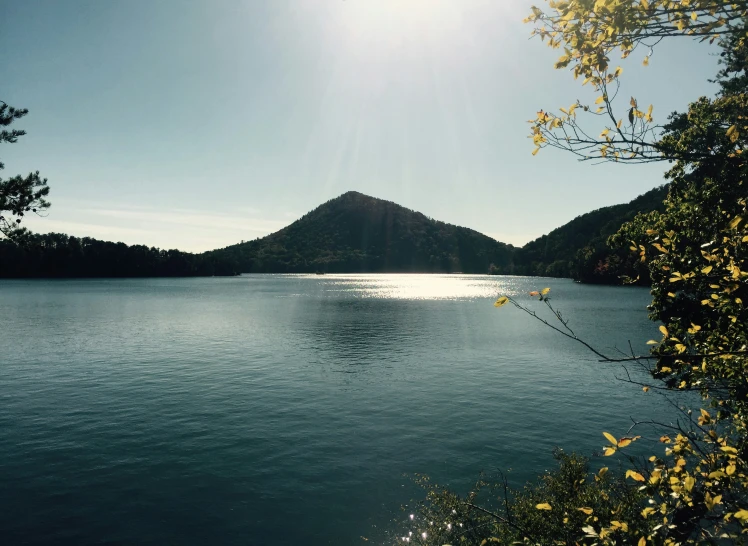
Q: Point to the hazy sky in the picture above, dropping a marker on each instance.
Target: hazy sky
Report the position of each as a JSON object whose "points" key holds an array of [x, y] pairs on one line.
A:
{"points": [[193, 125]]}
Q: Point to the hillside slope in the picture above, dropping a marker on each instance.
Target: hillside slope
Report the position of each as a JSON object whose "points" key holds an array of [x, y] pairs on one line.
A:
{"points": [[353, 233], [577, 248], [357, 233]]}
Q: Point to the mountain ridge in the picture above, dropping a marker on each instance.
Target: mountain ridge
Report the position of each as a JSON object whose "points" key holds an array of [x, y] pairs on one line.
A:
{"points": [[578, 248], [355, 232], [351, 233]]}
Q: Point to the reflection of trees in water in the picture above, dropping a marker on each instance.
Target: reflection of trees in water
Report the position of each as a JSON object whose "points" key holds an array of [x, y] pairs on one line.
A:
{"points": [[362, 332]]}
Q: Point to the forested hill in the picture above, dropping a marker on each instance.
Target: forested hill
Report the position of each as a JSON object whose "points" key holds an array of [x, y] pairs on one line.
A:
{"points": [[578, 249], [55, 255], [353, 233], [358, 233]]}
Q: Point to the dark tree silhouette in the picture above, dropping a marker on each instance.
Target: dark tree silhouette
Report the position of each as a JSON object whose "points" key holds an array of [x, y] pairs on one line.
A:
{"points": [[54, 255], [19, 195]]}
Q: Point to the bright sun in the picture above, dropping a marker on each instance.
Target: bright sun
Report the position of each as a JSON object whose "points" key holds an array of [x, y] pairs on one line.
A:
{"points": [[390, 22]]}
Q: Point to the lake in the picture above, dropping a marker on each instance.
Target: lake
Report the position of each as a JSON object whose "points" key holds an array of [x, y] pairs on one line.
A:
{"points": [[289, 409]]}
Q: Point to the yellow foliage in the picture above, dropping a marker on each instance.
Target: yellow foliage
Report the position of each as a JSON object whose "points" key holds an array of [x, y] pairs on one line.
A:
{"points": [[503, 300]]}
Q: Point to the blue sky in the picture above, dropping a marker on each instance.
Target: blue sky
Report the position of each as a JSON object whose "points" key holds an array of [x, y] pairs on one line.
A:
{"points": [[194, 125]]}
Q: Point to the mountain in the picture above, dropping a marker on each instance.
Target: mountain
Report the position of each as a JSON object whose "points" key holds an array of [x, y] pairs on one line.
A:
{"points": [[356, 233], [578, 249], [353, 233]]}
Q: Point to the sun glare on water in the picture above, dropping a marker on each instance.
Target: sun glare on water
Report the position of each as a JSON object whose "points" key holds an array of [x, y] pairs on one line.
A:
{"points": [[418, 287]]}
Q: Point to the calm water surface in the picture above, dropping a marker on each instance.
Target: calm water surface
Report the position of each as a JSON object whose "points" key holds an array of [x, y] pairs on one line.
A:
{"points": [[284, 409]]}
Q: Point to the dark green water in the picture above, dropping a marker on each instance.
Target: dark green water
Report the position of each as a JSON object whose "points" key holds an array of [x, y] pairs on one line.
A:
{"points": [[286, 409]]}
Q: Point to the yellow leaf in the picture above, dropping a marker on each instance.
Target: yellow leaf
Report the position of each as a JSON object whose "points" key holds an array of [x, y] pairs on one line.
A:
{"points": [[694, 15], [602, 471], [534, 293], [711, 502], [653, 342], [647, 511], [535, 151], [664, 331], [689, 483], [586, 510], [543, 506], [609, 451], [503, 300], [732, 133], [741, 514], [635, 476], [611, 438], [735, 221], [544, 291], [642, 541], [707, 270], [644, 4], [645, 62], [645, 389], [600, 99]]}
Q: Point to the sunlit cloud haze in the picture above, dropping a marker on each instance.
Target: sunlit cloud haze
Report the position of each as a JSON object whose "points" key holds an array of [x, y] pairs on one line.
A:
{"points": [[200, 124], [190, 230]]}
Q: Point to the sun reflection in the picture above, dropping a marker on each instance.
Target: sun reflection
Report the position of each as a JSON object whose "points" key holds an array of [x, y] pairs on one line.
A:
{"points": [[422, 287]]}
